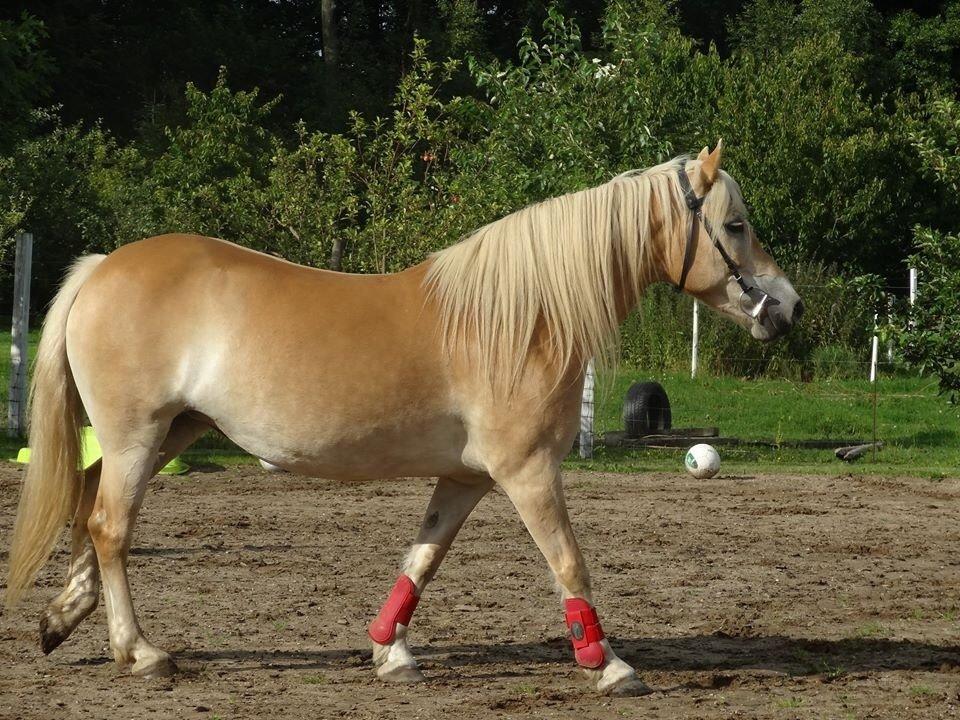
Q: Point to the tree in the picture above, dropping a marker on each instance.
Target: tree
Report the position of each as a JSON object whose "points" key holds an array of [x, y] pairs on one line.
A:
{"points": [[331, 43], [25, 70], [930, 337]]}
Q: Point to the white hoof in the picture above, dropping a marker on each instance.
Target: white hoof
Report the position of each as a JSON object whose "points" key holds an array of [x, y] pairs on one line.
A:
{"points": [[616, 677], [626, 687], [154, 666], [400, 674], [394, 662]]}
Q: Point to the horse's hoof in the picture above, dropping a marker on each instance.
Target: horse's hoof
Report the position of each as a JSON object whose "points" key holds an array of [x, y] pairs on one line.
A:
{"points": [[51, 634], [628, 687], [154, 667], [401, 674]]}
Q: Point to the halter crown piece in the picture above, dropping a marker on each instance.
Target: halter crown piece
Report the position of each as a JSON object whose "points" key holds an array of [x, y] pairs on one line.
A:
{"points": [[695, 203]]}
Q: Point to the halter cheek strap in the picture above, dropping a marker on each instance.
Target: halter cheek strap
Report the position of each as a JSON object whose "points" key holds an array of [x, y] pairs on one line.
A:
{"points": [[397, 610], [695, 203], [585, 633]]}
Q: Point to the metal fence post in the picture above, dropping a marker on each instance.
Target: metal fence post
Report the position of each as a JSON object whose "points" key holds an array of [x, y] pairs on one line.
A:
{"points": [[696, 339], [19, 332], [586, 413]]}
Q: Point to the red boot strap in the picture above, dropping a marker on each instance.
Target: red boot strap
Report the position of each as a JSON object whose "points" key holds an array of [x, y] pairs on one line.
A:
{"points": [[398, 609], [585, 632]]}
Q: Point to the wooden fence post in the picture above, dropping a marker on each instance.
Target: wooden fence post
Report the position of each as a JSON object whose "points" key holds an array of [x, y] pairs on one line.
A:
{"points": [[19, 333]]}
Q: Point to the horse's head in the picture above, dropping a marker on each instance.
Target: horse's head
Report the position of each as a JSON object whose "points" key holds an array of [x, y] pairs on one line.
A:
{"points": [[720, 261]]}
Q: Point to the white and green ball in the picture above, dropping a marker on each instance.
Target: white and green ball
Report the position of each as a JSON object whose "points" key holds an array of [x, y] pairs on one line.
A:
{"points": [[702, 461]]}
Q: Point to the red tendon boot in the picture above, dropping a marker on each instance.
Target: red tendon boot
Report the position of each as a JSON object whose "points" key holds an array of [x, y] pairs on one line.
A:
{"points": [[398, 608], [585, 633]]}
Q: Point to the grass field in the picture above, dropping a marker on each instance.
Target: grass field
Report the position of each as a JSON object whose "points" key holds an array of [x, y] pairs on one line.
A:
{"points": [[921, 430]]}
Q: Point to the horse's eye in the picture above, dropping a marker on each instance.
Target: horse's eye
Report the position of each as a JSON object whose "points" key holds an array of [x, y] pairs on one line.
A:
{"points": [[734, 227]]}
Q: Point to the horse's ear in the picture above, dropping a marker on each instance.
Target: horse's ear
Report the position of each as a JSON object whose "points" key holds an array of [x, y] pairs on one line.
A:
{"points": [[710, 167], [704, 154]]}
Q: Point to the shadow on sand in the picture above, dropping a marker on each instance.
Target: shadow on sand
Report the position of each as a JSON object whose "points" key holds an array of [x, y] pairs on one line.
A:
{"points": [[776, 653]]}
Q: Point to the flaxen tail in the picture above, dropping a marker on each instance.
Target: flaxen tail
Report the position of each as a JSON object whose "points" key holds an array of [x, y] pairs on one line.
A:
{"points": [[52, 487]]}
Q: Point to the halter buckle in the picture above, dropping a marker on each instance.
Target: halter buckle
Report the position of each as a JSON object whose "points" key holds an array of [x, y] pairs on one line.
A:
{"points": [[756, 310]]}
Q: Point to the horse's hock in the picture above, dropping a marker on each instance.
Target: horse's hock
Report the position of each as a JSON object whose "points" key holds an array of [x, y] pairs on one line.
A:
{"points": [[646, 408]]}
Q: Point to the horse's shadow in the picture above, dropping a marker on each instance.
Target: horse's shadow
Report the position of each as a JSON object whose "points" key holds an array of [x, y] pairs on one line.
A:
{"points": [[772, 653]]}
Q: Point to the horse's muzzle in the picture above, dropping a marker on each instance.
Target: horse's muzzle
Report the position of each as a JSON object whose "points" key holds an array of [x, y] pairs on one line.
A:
{"points": [[783, 316]]}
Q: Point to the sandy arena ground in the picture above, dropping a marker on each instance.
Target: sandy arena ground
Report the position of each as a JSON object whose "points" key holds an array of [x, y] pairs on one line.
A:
{"points": [[738, 597]]}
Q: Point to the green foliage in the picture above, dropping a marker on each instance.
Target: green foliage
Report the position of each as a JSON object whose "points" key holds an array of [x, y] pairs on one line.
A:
{"points": [[937, 140], [311, 196], [931, 334], [541, 142], [837, 160], [826, 169], [463, 22], [932, 337], [832, 341], [924, 48], [406, 208], [50, 185], [24, 72], [210, 179]]}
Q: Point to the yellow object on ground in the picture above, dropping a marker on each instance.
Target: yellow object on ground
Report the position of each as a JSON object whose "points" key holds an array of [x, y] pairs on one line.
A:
{"points": [[92, 453]]}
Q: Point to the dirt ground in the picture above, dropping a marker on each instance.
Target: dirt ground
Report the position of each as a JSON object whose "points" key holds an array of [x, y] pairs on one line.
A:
{"points": [[746, 597]]}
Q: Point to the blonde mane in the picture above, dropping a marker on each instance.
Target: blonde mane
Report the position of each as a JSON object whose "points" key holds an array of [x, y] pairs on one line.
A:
{"points": [[559, 260]]}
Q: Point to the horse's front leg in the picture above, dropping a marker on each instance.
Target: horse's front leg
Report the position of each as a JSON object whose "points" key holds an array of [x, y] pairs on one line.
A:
{"points": [[537, 493], [450, 505]]}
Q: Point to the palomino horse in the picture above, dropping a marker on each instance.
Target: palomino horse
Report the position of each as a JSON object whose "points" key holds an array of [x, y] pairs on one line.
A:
{"points": [[468, 367]]}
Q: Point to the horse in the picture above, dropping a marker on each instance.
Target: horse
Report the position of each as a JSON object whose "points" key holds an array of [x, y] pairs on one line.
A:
{"points": [[468, 367]]}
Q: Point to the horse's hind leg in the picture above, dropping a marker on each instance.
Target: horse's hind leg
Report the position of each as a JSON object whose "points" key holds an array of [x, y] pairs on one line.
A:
{"points": [[126, 469], [450, 505], [82, 592]]}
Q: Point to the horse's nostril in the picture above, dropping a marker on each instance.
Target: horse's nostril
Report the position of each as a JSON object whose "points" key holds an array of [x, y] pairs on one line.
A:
{"points": [[798, 310]]}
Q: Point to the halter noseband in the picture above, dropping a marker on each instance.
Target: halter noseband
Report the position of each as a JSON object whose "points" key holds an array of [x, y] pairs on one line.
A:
{"points": [[695, 203]]}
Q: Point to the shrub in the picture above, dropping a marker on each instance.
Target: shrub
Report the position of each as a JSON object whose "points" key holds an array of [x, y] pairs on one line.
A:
{"points": [[929, 334]]}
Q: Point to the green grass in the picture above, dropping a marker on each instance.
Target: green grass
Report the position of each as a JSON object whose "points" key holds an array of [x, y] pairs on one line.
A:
{"points": [[871, 629], [790, 703], [920, 429]]}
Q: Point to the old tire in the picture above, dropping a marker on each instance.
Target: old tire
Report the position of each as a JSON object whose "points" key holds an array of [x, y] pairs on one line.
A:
{"points": [[646, 409]]}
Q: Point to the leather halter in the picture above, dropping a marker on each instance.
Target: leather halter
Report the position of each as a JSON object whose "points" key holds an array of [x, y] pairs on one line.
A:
{"points": [[695, 203]]}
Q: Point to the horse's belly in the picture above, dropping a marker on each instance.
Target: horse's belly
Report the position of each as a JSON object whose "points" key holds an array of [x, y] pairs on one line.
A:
{"points": [[356, 452]]}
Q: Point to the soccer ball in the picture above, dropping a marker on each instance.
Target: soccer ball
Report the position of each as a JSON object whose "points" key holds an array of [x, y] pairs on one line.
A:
{"points": [[702, 461]]}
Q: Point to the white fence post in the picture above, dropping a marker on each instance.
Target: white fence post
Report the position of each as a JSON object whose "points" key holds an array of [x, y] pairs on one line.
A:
{"points": [[586, 413], [913, 286], [889, 340], [696, 339], [20, 328], [873, 352]]}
